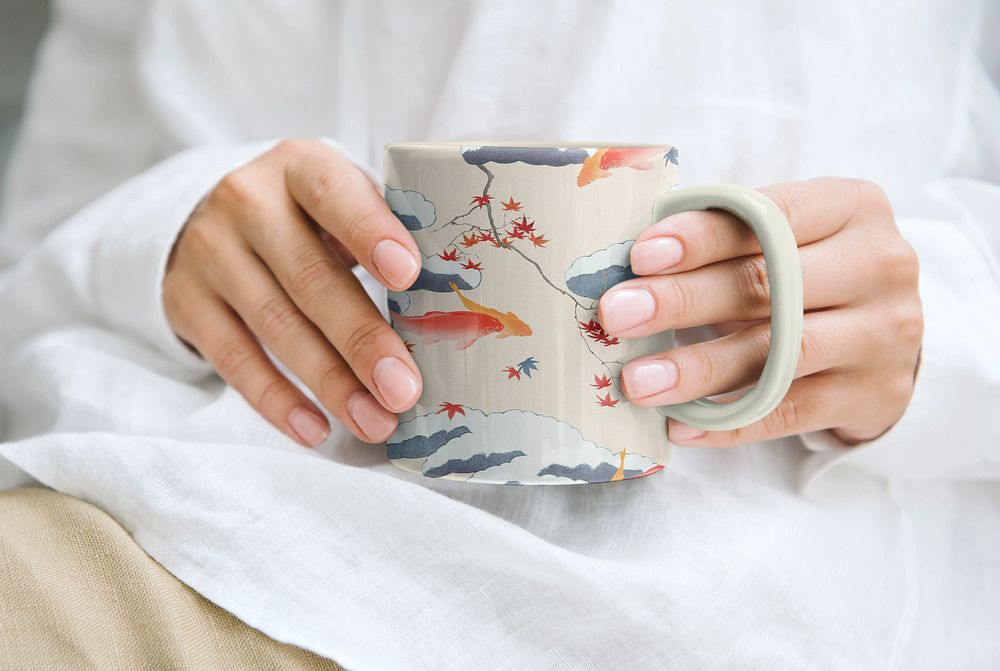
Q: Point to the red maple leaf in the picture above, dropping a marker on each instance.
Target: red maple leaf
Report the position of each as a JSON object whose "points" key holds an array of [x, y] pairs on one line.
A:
{"points": [[469, 240], [481, 200], [601, 382], [523, 225], [450, 408], [512, 204], [595, 331], [486, 237], [471, 265], [449, 256], [512, 372], [516, 234], [409, 345], [538, 241], [607, 401]]}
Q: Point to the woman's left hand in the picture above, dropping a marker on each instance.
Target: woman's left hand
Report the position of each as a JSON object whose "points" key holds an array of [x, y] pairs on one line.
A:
{"points": [[863, 320]]}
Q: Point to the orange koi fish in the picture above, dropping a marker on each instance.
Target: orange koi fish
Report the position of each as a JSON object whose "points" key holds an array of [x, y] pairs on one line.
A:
{"points": [[463, 327], [602, 161], [512, 325]]}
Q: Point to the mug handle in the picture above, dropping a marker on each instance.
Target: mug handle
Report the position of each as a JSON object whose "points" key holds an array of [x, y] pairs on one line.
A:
{"points": [[781, 254]]}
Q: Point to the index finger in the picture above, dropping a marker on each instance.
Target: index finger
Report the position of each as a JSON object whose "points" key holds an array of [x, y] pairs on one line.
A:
{"points": [[345, 203], [815, 209]]}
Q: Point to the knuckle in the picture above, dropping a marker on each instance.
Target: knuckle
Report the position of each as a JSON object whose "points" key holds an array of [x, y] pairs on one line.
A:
{"points": [[295, 145], [872, 196], [784, 419], [313, 273], [900, 264], [783, 197], [810, 351], [363, 338], [200, 238], [754, 289], [239, 188], [680, 299], [275, 317], [330, 186], [360, 225], [232, 357], [758, 345], [275, 393], [908, 322], [706, 363], [330, 384]]}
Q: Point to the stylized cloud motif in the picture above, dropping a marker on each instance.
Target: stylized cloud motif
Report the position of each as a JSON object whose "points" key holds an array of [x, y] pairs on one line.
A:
{"points": [[590, 276], [531, 155], [423, 446], [397, 301], [473, 464], [508, 446], [436, 273], [411, 208], [600, 473]]}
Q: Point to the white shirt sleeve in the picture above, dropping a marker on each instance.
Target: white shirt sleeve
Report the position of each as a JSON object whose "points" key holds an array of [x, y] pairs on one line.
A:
{"points": [[951, 428]]}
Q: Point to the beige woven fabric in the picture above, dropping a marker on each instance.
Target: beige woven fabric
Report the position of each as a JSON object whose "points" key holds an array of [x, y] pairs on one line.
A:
{"points": [[76, 592]]}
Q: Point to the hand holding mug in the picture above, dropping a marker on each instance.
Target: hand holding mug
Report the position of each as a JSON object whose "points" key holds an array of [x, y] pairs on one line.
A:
{"points": [[266, 259], [863, 323]]}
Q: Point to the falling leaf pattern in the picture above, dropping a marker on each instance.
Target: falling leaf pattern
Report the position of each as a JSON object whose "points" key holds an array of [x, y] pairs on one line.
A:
{"points": [[607, 401], [451, 408]]}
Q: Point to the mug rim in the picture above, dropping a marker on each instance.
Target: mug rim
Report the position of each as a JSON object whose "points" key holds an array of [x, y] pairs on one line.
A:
{"points": [[545, 144]]}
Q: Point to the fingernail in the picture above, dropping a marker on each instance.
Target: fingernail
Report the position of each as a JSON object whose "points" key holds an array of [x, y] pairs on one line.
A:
{"points": [[375, 422], [308, 426], [624, 308], [643, 378], [396, 263], [680, 431], [396, 381], [656, 254]]}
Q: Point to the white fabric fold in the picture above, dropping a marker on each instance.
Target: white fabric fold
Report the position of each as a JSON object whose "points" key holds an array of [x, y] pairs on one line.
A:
{"points": [[717, 562]]}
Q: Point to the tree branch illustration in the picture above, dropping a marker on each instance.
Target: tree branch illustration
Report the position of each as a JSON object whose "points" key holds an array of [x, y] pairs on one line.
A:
{"points": [[613, 367]]}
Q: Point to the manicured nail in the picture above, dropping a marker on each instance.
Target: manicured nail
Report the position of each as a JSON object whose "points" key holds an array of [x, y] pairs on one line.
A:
{"points": [[656, 254], [308, 426], [396, 381], [643, 378], [396, 263], [680, 431], [375, 422], [624, 308]]}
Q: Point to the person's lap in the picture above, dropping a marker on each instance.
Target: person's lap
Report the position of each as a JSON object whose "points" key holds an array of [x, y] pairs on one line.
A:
{"points": [[77, 592]]}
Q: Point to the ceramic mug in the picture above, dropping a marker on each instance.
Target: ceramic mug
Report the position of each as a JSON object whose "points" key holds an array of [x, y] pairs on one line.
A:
{"points": [[519, 240]]}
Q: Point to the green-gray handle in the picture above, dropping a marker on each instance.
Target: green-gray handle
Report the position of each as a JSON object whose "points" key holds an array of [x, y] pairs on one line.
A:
{"points": [[784, 277]]}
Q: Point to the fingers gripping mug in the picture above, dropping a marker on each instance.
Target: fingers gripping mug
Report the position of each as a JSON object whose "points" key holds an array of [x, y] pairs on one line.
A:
{"points": [[521, 383]]}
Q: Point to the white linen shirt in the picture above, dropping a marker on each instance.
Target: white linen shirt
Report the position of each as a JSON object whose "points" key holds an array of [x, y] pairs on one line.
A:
{"points": [[800, 553]]}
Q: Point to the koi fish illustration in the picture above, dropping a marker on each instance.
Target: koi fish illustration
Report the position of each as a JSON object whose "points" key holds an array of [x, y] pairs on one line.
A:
{"points": [[602, 161], [512, 324], [464, 328]]}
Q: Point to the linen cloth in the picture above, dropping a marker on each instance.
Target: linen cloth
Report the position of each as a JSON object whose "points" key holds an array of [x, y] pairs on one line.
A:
{"points": [[78, 593], [798, 553]]}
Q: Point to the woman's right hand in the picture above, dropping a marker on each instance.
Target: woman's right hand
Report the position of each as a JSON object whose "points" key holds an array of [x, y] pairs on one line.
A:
{"points": [[265, 259]]}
